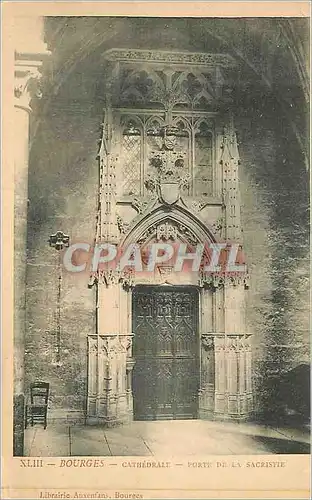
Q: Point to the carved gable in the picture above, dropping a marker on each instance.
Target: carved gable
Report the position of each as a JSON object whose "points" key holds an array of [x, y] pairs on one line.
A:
{"points": [[166, 143]]}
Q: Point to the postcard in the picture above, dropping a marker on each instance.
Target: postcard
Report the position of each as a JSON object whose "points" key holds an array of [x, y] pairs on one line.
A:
{"points": [[155, 231]]}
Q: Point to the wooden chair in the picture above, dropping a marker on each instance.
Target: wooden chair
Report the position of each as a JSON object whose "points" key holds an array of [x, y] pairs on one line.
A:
{"points": [[36, 410]]}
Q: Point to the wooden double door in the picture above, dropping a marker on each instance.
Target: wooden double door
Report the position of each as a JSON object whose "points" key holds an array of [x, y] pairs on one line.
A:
{"points": [[166, 373]]}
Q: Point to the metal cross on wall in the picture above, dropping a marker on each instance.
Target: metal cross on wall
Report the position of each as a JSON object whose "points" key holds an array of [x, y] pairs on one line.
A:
{"points": [[59, 240]]}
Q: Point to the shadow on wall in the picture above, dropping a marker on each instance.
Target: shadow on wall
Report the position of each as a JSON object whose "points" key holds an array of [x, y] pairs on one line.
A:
{"points": [[290, 393], [277, 172]]}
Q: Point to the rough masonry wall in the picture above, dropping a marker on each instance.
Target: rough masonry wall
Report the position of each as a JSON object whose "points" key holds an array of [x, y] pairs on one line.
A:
{"points": [[275, 199], [63, 184]]}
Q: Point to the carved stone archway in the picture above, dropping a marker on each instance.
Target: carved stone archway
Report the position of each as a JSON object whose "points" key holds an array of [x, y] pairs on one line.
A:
{"points": [[188, 225], [225, 351]]}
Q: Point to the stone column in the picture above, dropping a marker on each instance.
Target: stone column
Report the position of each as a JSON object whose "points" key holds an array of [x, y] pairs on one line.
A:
{"points": [[234, 307], [207, 379], [29, 55], [207, 375], [110, 355], [110, 349], [229, 160], [233, 395], [220, 374]]}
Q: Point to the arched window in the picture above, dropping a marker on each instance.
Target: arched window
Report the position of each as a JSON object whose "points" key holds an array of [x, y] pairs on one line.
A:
{"points": [[153, 138], [183, 136], [131, 159], [203, 168]]}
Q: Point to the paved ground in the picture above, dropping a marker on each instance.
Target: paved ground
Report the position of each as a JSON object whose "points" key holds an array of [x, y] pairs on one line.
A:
{"points": [[167, 438]]}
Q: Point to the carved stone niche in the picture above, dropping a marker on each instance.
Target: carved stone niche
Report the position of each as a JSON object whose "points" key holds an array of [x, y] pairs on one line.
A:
{"points": [[109, 379]]}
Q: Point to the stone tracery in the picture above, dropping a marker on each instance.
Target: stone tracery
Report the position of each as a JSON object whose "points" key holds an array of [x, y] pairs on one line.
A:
{"points": [[169, 172]]}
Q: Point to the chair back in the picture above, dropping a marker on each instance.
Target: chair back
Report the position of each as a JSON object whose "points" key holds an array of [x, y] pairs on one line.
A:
{"points": [[39, 393]]}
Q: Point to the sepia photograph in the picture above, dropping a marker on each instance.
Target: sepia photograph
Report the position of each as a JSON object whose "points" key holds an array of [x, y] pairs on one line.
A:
{"points": [[161, 241], [183, 144]]}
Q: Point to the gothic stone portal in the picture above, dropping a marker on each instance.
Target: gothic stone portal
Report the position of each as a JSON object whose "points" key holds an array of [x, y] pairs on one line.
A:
{"points": [[184, 358], [166, 350], [168, 172]]}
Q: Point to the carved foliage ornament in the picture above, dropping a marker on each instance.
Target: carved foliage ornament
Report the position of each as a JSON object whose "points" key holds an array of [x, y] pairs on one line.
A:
{"points": [[169, 170], [218, 225], [207, 342], [139, 204], [236, 343], [158, 56], [111, 345], [27, 75], [197, 205], [112, 277], [28, 84], [167, 231], [59, 240], [233, 343], [122, 225], [215, 281]]}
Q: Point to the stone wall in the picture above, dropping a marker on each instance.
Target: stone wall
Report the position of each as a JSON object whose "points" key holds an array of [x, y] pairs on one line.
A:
{"points": [[275, 197], [63, 182]]}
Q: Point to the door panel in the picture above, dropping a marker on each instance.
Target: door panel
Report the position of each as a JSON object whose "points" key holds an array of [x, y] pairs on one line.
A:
{"points": [[166, 373]]}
